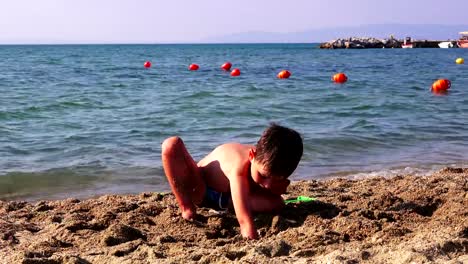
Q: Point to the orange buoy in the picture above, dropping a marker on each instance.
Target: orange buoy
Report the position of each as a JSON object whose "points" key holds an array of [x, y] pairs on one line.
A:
{"points": [[340, 78], [235, 72], [284, 74], [226, 66], [147, 64], [441, 85], [193, 67]]}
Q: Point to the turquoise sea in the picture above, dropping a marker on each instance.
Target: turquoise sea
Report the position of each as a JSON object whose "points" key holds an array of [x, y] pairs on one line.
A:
{"points": [[85, 120]]}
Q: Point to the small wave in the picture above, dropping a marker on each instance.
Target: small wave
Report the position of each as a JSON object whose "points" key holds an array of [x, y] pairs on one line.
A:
{"points": [[119, 85], [362, 124], [386, 173], [22, 184], [19, 115], [80, 181], [362, 107], [342, 144], [54, 61], [198, 95], [128, 76], [15, 151], [59, 106]]}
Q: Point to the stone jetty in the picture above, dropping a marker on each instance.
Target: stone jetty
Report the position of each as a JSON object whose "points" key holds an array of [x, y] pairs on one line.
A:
{"points": [[375, 43], [361, 43]]}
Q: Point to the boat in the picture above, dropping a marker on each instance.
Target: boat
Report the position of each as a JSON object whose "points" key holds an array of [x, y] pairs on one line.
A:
{"points": [[463, 41], [447, 45], [407, 44]]}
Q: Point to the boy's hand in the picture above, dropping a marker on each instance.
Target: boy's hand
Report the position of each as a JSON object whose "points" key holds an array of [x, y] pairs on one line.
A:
{"points": [[240, 193], [279, 186], [249, 232]]}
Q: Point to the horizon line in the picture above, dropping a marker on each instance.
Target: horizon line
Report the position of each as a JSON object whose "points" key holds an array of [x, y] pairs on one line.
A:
{"points": [[156, 43]]}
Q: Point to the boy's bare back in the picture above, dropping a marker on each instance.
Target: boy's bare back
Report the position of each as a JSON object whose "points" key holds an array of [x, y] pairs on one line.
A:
{"points": [[223, 163]]}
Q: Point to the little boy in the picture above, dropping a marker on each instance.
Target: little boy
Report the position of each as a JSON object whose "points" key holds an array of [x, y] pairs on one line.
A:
{"points": [[251, 177]]}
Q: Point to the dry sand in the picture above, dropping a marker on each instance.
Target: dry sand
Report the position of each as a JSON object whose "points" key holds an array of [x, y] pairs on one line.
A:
{"points": [[404, 219]]}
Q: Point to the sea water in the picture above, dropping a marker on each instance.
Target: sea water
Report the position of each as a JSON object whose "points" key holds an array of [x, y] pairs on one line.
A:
{"points": [[85, 120]]}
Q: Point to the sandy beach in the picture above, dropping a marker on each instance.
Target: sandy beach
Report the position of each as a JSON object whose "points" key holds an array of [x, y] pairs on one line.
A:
{"points": [[403, 219]]}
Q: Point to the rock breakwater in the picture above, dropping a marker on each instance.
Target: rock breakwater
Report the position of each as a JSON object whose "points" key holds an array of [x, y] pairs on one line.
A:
{"points": [[361, 43]]}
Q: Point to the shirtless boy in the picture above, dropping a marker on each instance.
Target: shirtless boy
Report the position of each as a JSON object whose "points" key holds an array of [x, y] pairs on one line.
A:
{"points": [[251, 177]]}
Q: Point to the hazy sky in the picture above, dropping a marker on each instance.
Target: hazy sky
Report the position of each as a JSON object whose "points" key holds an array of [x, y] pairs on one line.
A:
{"points": [[154, 21]]}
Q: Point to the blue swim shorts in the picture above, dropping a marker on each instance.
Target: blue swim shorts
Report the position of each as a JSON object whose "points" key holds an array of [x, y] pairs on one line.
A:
{"points": [[216, 200]]}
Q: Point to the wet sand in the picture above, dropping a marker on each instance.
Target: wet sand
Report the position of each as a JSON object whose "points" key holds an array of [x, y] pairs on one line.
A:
{"points": [[404, 219]]}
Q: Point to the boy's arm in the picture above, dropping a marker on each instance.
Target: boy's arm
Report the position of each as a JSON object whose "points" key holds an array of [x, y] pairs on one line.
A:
{"points": [[240, 195]]}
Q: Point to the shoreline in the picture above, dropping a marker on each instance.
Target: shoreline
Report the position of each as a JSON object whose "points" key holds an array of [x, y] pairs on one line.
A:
{"points": [[42, 185], [401, 219]]}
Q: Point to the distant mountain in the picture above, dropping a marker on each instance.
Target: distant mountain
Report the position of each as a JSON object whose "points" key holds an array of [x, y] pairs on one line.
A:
{"points": [[399, 31]]}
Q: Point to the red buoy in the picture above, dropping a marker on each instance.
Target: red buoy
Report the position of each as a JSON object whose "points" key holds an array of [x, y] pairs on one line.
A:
{"points": [[226, 66], [193, 67], [441, 85], [235, 72], [147, 64], [340, 78], [284, 74]]}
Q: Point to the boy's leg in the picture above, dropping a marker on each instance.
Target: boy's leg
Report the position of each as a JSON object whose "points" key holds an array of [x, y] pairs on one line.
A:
{"points": [[184, 176], [265, 202]]}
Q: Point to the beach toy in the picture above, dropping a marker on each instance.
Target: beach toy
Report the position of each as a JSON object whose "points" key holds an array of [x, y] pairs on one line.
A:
{"points": [[147, 64], [284, 74], [226, 66], [300, 199], [441, 85], [193, 67], [235, 72], [340, 78], [460, 61]]}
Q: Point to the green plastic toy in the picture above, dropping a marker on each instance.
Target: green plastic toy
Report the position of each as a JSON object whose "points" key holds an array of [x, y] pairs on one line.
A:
{"points": [[300, 199]]}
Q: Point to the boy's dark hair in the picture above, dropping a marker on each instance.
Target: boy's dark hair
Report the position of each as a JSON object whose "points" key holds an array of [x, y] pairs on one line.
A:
{"points": [[279, 149]]}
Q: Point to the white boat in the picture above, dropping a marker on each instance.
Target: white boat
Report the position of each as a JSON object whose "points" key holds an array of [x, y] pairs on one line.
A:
{"points": [[407, 44], [446, 45]]}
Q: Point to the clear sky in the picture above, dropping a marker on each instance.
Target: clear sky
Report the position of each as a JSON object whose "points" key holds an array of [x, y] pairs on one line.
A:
{"points": [[155, 21]]}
